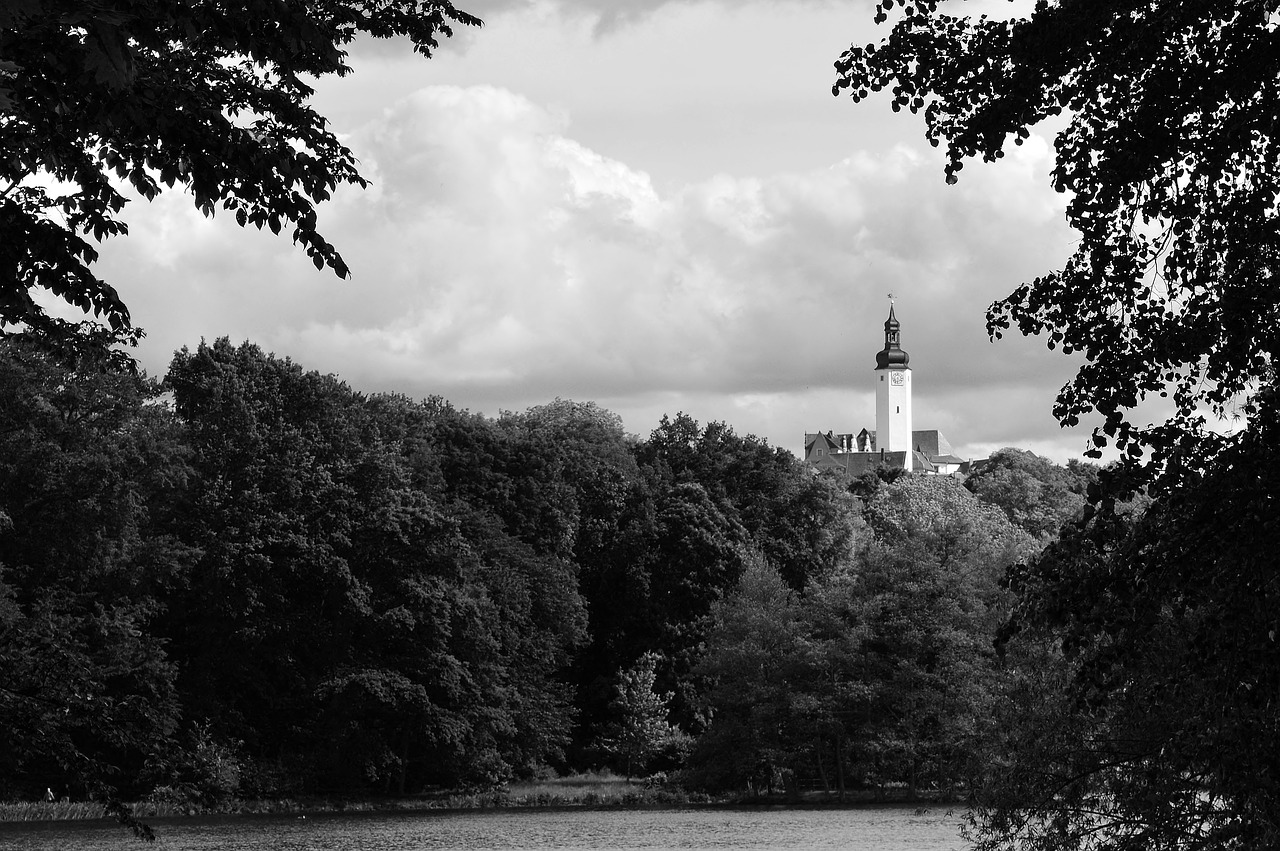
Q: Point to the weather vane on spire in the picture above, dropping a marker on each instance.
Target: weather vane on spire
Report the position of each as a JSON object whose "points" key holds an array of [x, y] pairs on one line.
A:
{"points": [[890, 298]]}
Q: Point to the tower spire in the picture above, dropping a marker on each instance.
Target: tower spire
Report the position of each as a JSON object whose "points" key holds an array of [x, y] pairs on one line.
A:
{"points": [[892, 356], [893, 393]]}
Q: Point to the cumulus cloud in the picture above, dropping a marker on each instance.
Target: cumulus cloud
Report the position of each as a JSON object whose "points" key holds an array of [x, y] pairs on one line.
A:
{"points": [[607, 16], [610, 16], [500, 263]]}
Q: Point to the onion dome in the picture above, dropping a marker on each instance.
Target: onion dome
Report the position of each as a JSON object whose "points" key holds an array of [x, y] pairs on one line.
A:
{"points": [[892, 356]]}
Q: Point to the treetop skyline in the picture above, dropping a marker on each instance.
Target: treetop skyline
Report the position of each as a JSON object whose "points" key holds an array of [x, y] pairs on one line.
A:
{"points": [[553, 213]]}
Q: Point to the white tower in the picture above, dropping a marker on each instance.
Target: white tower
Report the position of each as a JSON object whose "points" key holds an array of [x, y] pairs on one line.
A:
{"points": [[893, 394]]}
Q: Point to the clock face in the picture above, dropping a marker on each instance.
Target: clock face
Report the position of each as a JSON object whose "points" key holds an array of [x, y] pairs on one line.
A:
{"points": [[897, 377]]}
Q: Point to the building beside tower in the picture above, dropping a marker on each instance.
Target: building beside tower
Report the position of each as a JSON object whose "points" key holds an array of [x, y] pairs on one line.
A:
{"points": [[894, 443]]}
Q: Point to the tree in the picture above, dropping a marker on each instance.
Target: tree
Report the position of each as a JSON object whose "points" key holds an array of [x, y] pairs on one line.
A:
{"points": [[1156, 728], [1169, 153], [352, 620], [757, 668], [504, 514], [641, 730], [881, 671], [90, 468], [926, 594], [801, 523], [1035, 494], [957, 527], [163, 93]]}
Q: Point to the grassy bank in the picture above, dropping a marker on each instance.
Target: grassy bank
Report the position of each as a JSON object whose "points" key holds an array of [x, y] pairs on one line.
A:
{"points": [[580, 790], [595, 789]]}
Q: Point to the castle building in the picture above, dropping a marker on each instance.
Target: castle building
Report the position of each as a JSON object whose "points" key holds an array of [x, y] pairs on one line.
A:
{"points": [[894, 442]]}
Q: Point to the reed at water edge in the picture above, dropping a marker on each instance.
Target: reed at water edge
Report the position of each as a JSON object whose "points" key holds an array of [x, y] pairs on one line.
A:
{"points": [[592, 789]]}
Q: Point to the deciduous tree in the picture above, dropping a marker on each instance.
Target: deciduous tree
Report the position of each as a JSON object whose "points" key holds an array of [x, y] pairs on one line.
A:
{"points": [[926, 592], [1035, 494], [351, 621], [89, 470], [1152, 726], [802, 523], [641, 729], [881, 671], [757, 670], [1169, 153], [154, 94]]}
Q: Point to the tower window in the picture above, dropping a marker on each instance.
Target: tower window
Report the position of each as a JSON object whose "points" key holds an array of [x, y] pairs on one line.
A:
{"points": [[896, 409]]}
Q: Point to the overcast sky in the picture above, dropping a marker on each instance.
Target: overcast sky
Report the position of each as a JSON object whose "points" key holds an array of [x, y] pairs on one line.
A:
{"points": [[659, 207]]}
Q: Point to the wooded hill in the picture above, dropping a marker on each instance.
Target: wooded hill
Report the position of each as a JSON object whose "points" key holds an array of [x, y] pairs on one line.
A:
{"points": [[251, 580]]}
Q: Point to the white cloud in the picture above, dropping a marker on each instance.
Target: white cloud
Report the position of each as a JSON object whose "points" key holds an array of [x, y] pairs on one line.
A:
{"points": [[606, 16], [500, 263]]}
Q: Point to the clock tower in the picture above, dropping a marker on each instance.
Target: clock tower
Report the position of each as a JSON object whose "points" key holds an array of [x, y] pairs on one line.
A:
{"points": [[893, 393]]}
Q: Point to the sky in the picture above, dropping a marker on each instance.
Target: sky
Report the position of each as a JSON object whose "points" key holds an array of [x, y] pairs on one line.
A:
{"points": [[656, 206]]}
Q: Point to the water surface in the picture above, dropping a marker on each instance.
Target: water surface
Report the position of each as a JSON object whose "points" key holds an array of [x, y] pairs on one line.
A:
{"points": [[862, 829]]}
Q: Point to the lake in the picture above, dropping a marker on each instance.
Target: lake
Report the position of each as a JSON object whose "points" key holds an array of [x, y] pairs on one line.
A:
{"points": [[861, 829]]}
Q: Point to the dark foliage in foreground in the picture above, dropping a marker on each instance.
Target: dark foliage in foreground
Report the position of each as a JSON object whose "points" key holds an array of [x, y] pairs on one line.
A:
{"points": [[1156, 711], [1145, 712], [157, 94]]}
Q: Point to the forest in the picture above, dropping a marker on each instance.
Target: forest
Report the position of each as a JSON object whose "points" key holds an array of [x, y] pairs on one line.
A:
{"points": [[246, 578], [249, 580]]}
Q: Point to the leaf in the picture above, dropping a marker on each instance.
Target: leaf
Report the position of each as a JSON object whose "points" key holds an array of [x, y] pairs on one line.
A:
{"points": [[109, 55]]}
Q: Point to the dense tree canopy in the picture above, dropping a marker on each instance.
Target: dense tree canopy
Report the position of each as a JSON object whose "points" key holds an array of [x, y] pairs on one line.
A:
{"points": [[1163, 712], [928, 591], [263, 582], [153, 94], [343, 620], [1034, 493], [87, 466], [758, 672], [1169, 152], [802, 523], [1139, 653], [883, 669]]}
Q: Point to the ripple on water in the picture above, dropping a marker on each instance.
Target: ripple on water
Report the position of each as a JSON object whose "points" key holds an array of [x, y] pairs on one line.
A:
{"points": [[861, 829]]}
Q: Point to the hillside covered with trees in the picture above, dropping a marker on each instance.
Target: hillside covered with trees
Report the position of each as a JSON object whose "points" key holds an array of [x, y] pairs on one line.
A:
{"points": [[249, 580]]}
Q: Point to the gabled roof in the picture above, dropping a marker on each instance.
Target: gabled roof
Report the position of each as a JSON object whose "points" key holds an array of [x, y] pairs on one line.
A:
{"points": [[827, 440]]}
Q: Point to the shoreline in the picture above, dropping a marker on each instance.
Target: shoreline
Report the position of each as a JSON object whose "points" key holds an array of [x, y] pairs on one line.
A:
{"points": [[635, 797]]}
